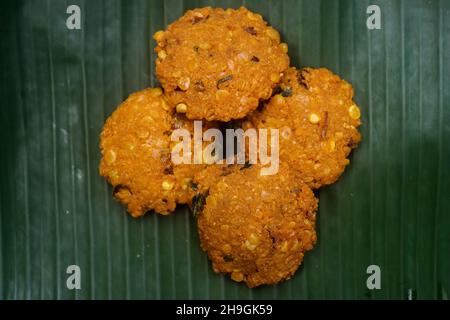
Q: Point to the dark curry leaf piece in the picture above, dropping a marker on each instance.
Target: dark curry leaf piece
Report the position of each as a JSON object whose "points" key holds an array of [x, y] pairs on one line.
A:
{"points": [[301, 79], [276, 90], [193, 185], [286, 92], [198, 202], [247, 165], [228, 258], [224, 79]]}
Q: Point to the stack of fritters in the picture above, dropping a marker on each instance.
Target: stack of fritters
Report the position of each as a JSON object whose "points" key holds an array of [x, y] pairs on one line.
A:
{"points": [[218, 66]]}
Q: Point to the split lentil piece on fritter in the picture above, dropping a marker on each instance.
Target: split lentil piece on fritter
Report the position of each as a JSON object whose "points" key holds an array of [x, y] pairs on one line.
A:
{"points": [[257, 228], [217, 64], [317, 121], [136, 155]]}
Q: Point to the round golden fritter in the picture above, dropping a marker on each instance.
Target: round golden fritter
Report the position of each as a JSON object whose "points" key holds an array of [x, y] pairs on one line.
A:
{"points": [[217, 64], [136, 155], [317, 122], [257, 228]]}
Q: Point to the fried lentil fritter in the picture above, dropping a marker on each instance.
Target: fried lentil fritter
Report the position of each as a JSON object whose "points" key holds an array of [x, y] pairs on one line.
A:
{"points": [[318, 123], [136, 149], [257, 228], [217, 64]]}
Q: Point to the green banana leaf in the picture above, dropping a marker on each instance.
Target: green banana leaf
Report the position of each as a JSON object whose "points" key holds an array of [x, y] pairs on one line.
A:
{"points": [[390, 208]]}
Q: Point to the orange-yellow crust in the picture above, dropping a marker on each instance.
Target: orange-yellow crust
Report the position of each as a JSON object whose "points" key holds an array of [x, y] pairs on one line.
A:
{"points": [[317, 121], [219, 63], [257, 228], [136, 155]]}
